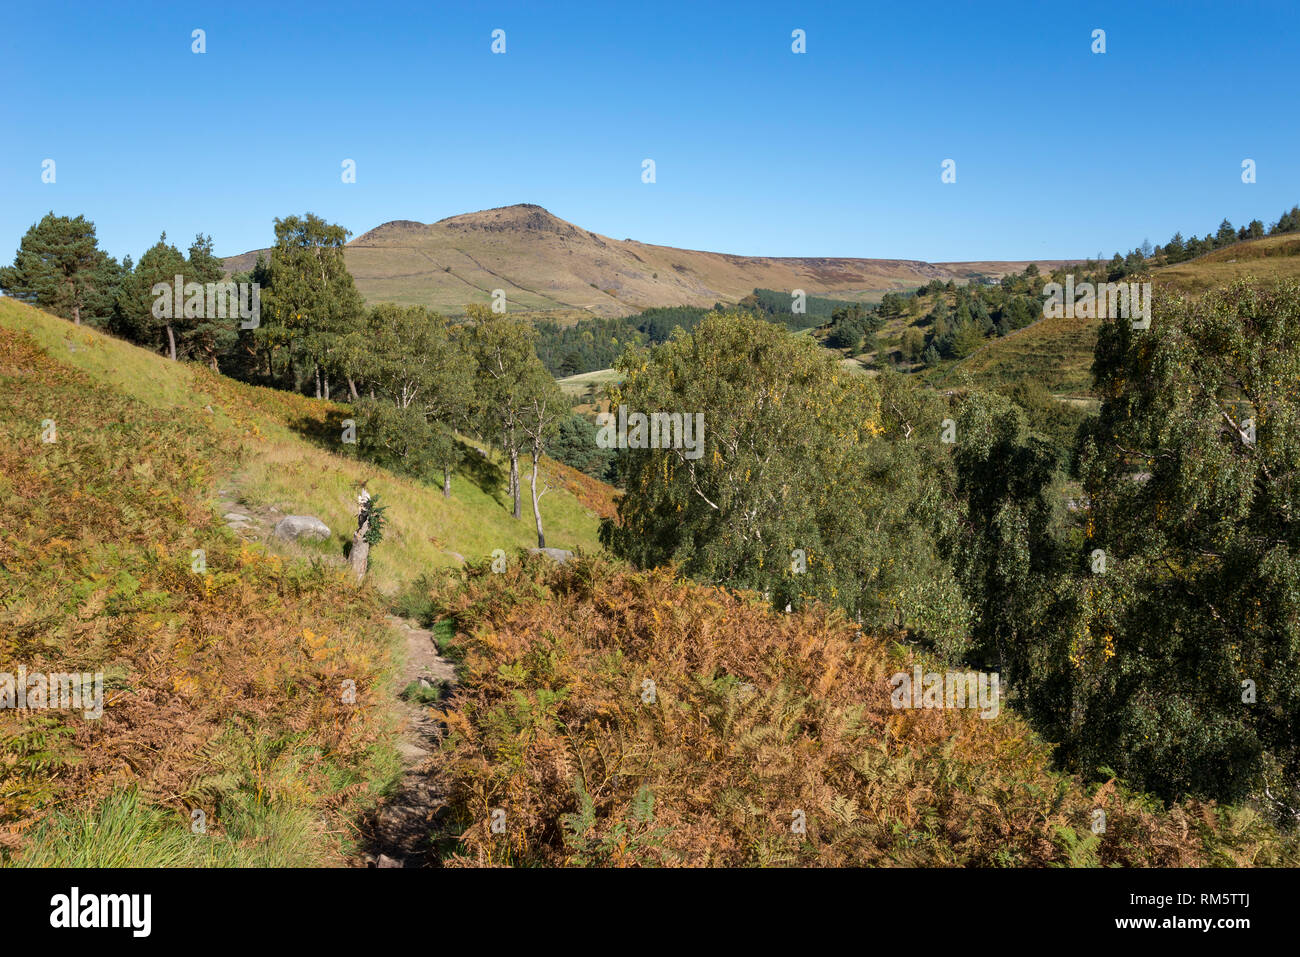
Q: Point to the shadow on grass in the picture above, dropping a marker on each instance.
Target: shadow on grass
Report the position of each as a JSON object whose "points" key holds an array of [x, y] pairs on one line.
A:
{"points": [[329, 433], [482, 471]]}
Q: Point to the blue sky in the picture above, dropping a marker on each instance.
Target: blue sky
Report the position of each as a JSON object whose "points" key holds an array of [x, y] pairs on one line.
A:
{"points": [[1060, 152]]}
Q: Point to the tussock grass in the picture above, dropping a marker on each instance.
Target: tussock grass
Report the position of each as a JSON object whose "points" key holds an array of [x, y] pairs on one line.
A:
{"points": [[124, 832]]}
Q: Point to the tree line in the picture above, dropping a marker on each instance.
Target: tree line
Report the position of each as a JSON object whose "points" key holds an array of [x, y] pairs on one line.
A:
{"points": [[1179, 249], [415, 379], [592, 344]]}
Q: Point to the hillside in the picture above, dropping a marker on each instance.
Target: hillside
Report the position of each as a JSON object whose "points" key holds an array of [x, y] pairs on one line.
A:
{"points": [[625, 718], [1272, 257], [222, 686], [548, 265], [289, 460], [1059, 352]]}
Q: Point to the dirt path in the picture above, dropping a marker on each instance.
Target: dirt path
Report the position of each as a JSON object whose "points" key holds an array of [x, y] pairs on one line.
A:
{"points": [[399, 832], [405, 819]]}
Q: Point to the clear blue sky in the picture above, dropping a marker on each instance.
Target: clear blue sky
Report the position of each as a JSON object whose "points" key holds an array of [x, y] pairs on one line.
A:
{"points": [[1060, 152]]}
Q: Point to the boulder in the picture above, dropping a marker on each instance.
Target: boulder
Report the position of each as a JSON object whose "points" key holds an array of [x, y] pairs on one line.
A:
{"points": [[294, 527], [558, 555]]}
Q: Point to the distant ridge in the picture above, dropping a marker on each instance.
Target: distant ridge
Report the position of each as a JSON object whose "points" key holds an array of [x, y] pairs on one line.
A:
{"points": [[546, 264]]}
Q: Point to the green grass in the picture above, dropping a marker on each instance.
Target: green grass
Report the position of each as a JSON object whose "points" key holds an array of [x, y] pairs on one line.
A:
{"points": [[576, 385], [1056, 352], [122, 831], [281, 468]]}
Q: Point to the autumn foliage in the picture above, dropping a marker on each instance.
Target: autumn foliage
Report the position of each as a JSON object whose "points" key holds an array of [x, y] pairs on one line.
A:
{"points": [[612, 717], [222, 688]]}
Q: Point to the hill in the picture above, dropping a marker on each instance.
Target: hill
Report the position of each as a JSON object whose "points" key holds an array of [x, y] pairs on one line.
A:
{"points": [[222, 684], [548, 265], [1272, 257], [1059, 352]]}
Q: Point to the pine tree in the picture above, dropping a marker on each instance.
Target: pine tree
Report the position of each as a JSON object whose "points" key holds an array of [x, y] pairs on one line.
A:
{"points": [[209, 335], [313, 302], [145, 317], [60, 268]]}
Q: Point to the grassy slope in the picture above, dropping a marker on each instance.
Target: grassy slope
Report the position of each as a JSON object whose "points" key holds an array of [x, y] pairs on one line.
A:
{"points": [[1059, 351], [223, 689], [282, 468], [576, 385], [1273, 257]]}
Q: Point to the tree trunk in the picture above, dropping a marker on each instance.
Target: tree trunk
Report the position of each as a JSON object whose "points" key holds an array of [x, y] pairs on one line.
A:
{"points": [[359, 557], [352, 388], [360, 554], [171, 342], [446, 483], [76, 313], [514, 480], [537, 511], [318, 382]]}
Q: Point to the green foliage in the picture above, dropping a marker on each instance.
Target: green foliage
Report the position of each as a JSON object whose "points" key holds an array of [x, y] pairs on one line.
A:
{"points": [[208, 337], [802, 463], [402, 439], [575, 444], [160, 264], [312, 306], [187, 333], [1058, 422], [1193, 475], [777, 306], [374, 512], [593, 344], [424, 695], [966, 338], [913, 345], [853, 328], [586, 345], [60, 268], [1005, 551]]}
